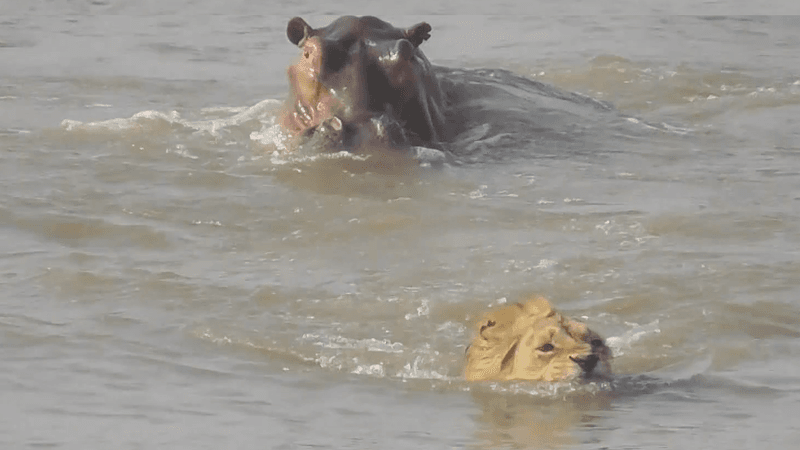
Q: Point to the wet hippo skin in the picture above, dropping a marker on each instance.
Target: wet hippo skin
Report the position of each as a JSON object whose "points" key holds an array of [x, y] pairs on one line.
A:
{"points": [[361, 80]]}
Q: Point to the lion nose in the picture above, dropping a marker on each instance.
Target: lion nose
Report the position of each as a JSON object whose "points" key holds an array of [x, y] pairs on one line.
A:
{"points": [[587, 363]]}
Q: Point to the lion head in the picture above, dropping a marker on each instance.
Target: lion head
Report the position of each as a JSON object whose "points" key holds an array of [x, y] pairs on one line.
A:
{"points": [[531, 341]]}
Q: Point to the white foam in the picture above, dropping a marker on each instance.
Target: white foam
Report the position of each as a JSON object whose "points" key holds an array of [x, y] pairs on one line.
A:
{"points": [[255, 112], [619, 343], [281, 157], [261, 111], [428, 156], [375, 370], [116, 125], [272, 134], [414, 370], [676, 130], [340, 342], [545, 264], [423, 310], [498, 302], [452, 327], [9, 131]]}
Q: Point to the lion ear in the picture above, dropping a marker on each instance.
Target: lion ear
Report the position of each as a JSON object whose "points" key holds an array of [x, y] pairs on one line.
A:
{"points": [[485, 325], [538, 306]]}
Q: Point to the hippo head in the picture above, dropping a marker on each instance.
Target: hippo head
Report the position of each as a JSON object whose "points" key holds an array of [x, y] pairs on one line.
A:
{"points": [[359, 79]]}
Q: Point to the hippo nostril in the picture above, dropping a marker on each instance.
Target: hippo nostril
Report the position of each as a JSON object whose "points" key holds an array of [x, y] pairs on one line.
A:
{"points": [[403, 50]]}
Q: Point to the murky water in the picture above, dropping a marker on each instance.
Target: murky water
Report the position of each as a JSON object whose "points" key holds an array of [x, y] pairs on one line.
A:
{"points": [[172, 278]]}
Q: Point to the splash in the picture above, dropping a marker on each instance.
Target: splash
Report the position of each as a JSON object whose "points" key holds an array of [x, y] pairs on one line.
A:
{"points": [[340, 342], [149, 121], [141, 121], [618, 344], [546, 389], [421, 369]]}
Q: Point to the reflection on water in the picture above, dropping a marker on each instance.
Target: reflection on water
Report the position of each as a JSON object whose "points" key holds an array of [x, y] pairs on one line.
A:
{"points": [[519, 421], [524, 415]]}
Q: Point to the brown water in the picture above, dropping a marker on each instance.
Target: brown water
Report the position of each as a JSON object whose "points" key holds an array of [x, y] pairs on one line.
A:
{"points": [[172, 278]]}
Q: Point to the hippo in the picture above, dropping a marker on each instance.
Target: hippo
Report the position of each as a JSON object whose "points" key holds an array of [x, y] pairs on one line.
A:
{"points": [[360, 81]]}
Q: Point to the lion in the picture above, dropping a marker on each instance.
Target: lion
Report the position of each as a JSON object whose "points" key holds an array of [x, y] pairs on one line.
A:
{"points": [[532, 341]]}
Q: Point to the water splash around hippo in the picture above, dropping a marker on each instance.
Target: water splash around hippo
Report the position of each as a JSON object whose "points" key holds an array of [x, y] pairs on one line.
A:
{"points": [[363, 86], [361, 83]]}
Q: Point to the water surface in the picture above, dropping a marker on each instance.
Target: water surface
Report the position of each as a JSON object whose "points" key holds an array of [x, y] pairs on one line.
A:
{"points": [[173, 278]]}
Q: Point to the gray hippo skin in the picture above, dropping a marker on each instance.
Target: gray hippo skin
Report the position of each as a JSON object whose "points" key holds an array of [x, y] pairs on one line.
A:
{"points": [[360, 80]]}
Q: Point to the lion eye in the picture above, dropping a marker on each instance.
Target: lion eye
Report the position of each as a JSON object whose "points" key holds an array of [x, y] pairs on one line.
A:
{"points": [[546, 348]]}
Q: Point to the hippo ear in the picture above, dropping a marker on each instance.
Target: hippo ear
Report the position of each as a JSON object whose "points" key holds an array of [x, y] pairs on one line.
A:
{"points": [[297, 31], [418, 33]]}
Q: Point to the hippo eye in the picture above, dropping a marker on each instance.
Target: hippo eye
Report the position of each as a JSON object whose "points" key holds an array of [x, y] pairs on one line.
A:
{"points": [[306, 54], [597, 343], [546, 348]]}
